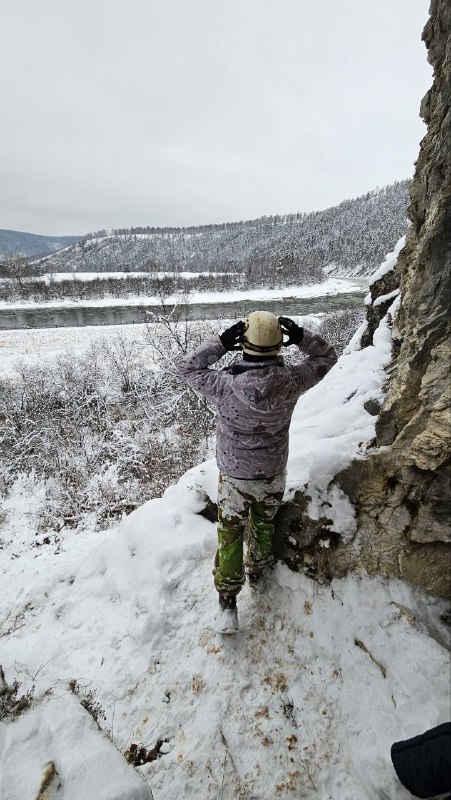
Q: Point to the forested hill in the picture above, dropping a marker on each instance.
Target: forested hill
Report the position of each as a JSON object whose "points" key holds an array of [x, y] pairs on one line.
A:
{"points": [[20, 243], [349, 239]]}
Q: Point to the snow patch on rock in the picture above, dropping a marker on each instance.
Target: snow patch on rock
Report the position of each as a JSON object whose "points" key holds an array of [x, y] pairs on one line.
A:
{"points": [[390, 262]]}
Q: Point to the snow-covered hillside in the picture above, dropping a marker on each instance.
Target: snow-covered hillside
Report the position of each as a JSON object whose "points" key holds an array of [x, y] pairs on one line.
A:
{"points": [[20, 243], [347, 240], [304, 702]]}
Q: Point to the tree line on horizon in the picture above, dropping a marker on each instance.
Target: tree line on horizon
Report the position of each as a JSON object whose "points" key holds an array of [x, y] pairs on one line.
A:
{"points": [[348, 240]]}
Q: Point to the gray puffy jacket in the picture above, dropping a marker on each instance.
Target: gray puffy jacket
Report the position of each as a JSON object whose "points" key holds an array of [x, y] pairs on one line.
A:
{"points": [[254, 402]]}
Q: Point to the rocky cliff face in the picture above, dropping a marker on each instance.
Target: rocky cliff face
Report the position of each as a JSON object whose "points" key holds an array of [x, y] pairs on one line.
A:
{"points": [[400, 490], [402, 493]]}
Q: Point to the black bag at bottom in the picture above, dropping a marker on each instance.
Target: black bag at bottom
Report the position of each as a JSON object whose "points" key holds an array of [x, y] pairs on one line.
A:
{"points": [[423, 764]]}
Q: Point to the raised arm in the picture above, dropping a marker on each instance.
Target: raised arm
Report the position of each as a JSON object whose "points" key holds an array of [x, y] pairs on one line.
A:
{"points": [[194, 368], [321, 358], [321, 354]]}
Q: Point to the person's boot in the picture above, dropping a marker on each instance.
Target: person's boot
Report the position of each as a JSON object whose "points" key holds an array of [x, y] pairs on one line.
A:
{"points": [[227, 619], [256, 579]]}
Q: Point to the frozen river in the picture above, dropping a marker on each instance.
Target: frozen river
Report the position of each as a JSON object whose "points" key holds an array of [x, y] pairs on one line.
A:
{"points": [[331, 296]]}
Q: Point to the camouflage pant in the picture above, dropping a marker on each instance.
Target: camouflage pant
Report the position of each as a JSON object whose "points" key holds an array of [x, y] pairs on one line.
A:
{"points": [[242, 502]]}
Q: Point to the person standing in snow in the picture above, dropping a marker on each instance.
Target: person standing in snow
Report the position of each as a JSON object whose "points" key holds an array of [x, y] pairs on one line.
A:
{"points": [[254, 399]]}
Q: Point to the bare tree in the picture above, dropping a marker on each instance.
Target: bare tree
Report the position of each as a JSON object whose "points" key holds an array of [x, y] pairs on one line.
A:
{"points": [[16, 268]]}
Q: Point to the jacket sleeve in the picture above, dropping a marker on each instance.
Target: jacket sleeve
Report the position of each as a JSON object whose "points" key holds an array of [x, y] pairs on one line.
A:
{"points": [[321, 358], [423, 763], [194, 368]]}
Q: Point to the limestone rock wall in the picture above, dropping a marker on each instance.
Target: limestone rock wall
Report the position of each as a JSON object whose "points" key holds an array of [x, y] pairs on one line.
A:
{"points": [[401, 490], [402, 494]]}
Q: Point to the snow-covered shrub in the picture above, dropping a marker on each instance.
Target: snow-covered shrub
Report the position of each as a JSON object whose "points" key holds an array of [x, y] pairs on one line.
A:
{"points": [[53, 288], [106, 430], [109, 429], [339, 326], [88, 700], [12, 704]]}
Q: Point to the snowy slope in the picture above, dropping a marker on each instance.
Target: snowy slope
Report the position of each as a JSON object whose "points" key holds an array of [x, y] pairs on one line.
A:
{"points": [[349, 239], [291, 707], [20, 243], [303, 703], [59, 744]]}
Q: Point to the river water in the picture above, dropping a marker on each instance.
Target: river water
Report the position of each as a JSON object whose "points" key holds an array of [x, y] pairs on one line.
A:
{"points": [[81, 316]]}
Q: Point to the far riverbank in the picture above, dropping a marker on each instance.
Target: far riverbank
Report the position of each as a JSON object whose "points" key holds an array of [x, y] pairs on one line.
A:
{"points": [[330, 296]]}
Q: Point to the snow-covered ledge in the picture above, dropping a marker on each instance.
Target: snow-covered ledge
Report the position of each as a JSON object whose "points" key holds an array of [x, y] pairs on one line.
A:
{"points": [[55, 749], [333, 425]]}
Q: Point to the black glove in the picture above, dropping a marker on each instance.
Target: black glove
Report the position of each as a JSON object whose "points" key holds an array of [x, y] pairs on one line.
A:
{"points": [[294, 332], [232, 337]]}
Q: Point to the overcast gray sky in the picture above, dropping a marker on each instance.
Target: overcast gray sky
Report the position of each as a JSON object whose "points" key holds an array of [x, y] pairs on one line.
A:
{"points": [[183, 112]]}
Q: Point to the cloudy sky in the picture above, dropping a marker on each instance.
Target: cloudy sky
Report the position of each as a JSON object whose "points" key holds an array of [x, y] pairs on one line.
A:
{"points": [[183, 112]]}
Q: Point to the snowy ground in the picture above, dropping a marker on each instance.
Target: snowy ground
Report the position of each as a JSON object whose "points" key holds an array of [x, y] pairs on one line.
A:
{"points": [[33, 345], [332, 286], [304, 702]]}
